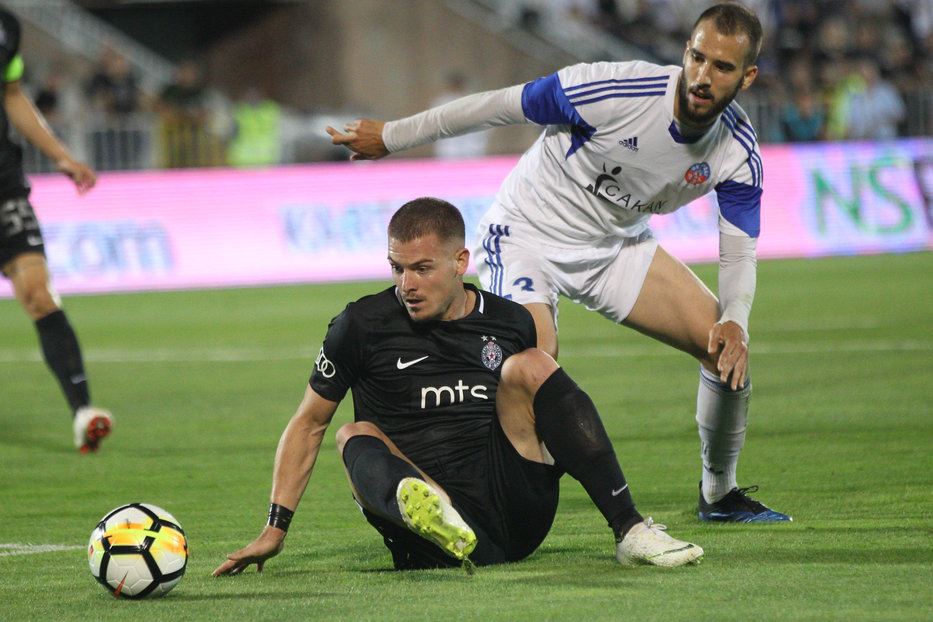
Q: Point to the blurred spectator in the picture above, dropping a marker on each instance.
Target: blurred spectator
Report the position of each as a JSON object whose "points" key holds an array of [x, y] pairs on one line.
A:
{"points": [[841, 83], [257, 135], [187, 139], [472, 145], [531, 14], [876, 108], [116, 141], [113, 88], [803, 119]]}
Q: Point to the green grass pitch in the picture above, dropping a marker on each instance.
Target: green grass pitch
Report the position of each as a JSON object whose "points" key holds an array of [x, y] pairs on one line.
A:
{"points": [[202, 383]]}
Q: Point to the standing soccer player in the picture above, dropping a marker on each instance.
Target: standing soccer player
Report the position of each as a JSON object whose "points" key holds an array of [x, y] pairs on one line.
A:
{"points": [[462, 428], [22, 251], [623, 141]]}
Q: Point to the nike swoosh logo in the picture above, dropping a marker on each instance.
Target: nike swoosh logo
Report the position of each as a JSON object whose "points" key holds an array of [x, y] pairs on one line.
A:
{"points": [[406, 364], [116, 592], [616, 493]]}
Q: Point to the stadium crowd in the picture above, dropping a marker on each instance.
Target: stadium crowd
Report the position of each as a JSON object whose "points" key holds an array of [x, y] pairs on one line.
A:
{"points": [[191, 124], [830, 70]]}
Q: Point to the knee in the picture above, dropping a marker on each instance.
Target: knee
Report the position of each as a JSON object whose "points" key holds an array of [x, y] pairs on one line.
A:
{"points": [[357, 428], [38, 301], [528, 370]]}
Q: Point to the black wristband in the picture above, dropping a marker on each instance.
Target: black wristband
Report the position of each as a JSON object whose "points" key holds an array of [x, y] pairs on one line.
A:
{"points": [[279, 516]]}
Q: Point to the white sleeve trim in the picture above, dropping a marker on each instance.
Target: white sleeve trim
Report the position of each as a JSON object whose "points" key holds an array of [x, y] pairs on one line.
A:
{"points": [[738, 267], [468, 114]]}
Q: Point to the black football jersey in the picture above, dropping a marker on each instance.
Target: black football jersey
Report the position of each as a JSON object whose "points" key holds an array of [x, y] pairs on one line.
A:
{"points": [[429, 386], [12, 180]]}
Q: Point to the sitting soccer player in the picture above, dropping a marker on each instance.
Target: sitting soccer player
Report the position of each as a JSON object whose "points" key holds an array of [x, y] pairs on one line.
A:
{"points": [[462, 429]]}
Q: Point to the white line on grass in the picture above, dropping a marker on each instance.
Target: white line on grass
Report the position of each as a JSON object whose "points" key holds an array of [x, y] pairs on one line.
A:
{"points": [[615, 350], [14, 548]]}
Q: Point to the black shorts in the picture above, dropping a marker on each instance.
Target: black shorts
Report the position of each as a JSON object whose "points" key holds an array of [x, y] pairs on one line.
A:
{"points": [[508, 501], [19, 229]]}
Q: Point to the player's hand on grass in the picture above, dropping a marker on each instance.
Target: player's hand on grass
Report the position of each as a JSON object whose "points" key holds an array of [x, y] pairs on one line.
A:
{"points": [[728, 339], [363, 137], [269, 544], [80, 173]]}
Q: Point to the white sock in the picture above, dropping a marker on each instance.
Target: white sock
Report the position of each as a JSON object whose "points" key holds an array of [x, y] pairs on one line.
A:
{"points": [[721, 417]]}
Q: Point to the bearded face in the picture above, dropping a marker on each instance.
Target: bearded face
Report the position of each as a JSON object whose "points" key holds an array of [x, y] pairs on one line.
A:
{"points": [[699, 106], [714, 72]]}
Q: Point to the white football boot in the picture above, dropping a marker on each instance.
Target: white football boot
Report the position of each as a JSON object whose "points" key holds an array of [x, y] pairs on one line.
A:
{"points": [[427, 514], [647, 543], [91, 426]]}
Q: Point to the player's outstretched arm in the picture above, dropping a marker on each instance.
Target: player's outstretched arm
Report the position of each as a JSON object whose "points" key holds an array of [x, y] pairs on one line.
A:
{"points": [[363, 137], [294, 459], [370, 139], [29, 122]]}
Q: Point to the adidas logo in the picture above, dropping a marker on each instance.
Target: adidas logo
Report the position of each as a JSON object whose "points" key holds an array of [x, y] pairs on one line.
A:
{"points": [[630, 143]]}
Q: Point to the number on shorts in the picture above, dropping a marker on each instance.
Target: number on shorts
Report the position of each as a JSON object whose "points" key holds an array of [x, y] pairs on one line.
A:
{"points": [[524, 283], [16, 216]]}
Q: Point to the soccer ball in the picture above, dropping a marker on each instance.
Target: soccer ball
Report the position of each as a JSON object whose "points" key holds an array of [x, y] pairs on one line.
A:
{"points": [[138, 550]]}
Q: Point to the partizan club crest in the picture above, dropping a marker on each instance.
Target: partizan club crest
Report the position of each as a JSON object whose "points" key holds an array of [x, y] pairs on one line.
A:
{"points": [[492, 353]]}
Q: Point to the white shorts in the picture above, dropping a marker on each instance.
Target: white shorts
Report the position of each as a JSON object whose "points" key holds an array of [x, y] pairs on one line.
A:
{"points": [[515, 262]]}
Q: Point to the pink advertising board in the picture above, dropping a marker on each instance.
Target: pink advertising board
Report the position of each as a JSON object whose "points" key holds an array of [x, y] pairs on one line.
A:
{"points": [[326, 222]]}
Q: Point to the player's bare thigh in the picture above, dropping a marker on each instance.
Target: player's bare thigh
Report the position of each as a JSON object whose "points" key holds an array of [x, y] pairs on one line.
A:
{"points": [[522, 376], [364, 428], [675, 307], [32, 284]]}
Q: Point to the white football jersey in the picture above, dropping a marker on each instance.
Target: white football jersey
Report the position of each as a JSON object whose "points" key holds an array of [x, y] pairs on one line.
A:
{"points": [[611, 156]]}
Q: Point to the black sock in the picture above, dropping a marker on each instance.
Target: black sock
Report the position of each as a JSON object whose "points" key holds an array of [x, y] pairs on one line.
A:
{"points": [[567, 421], [63, 356], [375, 472]]}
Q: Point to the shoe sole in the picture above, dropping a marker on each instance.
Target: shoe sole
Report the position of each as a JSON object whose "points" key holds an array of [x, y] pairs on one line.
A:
{"points": [[422, 512], [744, 517], [690, 554], [98, 428]]}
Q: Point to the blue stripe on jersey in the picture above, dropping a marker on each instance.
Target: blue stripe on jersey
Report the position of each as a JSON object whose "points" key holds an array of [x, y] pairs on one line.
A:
{"points": [[490, 260], [615, 95], [494, 258], [741, 121], [544, 102], [749, 132], [754, 160], [740, 204], [617, 88], [621, 81], [743, 128]]}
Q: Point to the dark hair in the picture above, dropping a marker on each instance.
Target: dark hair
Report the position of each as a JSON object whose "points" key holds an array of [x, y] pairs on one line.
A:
{"points": [[731, 18], [425, 216]]}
